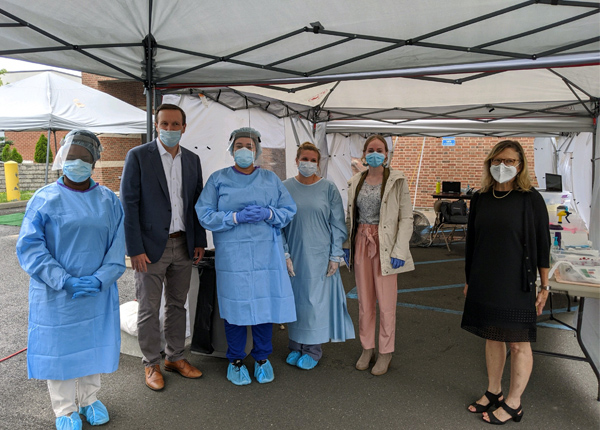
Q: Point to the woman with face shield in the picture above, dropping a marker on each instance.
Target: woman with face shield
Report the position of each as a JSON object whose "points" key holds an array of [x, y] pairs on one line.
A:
{"points": [[507, 242], [246, 207], [314, 243], [72, 245]]}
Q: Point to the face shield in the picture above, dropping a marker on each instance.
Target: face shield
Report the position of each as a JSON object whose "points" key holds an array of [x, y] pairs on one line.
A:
{"points": [[78, 145], [246, 132]]}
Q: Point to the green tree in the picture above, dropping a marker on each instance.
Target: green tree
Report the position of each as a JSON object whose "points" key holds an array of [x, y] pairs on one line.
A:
{"points": [[9, 154], [6, 153], [15, 156], [3, 142], [2, 71], [40, 150]]}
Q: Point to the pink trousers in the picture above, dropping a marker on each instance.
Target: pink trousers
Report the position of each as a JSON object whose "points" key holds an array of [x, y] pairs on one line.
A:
{"points": [[373, 287]]}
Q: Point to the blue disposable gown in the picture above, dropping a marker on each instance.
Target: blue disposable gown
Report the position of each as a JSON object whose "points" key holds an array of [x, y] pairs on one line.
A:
{"points": [[67, 232], [313, 237], [253, 286]]}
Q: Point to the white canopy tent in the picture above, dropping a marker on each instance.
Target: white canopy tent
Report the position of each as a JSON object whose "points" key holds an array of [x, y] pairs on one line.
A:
{"points": [[47, 101], [50, 102]]}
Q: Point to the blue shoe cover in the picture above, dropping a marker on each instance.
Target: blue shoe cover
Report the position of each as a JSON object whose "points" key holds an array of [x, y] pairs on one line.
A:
{"points": [[264, 373], [293, 357], [306, 362], [238, 375], [95, 414], [72, 422]]}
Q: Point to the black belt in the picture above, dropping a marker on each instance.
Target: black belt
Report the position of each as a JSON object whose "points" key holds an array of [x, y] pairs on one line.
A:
{"points": [[176, 234]]}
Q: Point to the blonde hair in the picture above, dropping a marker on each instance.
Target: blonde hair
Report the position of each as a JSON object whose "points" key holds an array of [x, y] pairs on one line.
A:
{"points": [[307, 146], [522, 181]]}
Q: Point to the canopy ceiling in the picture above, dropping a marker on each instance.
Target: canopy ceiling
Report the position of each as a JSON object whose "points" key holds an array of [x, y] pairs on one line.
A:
{"points": [[388, 60], [47, 101], [220, 42]]}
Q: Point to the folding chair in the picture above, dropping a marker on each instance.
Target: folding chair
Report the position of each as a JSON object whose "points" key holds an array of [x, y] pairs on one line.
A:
{"points": [[449, 232]]}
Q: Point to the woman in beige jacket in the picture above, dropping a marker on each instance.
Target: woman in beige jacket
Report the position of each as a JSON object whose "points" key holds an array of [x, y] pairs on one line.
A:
{"points": [[379, 222]]}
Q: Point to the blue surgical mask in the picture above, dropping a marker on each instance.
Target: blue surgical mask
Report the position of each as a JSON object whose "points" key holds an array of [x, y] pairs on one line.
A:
{"points": [[170, 138], [307, 168], [77, 170], [375, 159], [243, 157]]}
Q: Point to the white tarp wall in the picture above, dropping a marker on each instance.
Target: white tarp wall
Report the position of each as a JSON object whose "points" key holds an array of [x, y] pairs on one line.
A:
{"points": [[569, 157], [574, 155]]}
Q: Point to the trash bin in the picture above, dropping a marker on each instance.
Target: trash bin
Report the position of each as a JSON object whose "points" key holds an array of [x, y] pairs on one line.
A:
{"points": [[209, 329]]}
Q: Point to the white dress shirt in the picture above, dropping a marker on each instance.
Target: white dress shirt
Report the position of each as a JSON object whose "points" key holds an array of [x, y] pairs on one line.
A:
{"points": [[172, 168]]}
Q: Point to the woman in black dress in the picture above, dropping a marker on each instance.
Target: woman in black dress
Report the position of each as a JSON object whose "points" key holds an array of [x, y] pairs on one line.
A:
{"points": [[507, 241]]}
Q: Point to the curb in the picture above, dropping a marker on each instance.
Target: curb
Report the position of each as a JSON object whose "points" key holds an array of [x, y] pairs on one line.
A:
{"points": [[12, 205]]}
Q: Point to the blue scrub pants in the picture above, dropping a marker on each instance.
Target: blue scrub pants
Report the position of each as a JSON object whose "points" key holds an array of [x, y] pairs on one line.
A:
{"points": [[236, 341]]}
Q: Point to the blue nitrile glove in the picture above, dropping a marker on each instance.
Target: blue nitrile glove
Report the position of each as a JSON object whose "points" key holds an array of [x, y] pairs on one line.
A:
{"points": [[261, 212], [75, 287], [397, 263], [246, 215], [347, 256], [95, 282], [88, 286]]}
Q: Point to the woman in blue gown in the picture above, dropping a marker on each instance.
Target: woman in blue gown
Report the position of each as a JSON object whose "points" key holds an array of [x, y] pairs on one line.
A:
{"points": [[246, 207], [314, 243], [72, 245]]}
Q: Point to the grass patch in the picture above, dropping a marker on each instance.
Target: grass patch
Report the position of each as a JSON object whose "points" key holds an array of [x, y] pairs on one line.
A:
{"points": [[25, 195]]}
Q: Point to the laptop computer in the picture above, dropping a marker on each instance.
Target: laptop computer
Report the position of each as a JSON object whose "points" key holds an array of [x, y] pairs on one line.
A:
{"points": [[450, 187], [553, 182]]}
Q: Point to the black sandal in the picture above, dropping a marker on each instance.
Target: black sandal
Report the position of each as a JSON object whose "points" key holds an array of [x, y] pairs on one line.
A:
{"points": [[515, 414], [494, 400]]}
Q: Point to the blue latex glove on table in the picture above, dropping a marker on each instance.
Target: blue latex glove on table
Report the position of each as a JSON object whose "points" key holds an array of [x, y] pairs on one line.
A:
{"points": [[397, 263], [347, 257], [81, 287]]}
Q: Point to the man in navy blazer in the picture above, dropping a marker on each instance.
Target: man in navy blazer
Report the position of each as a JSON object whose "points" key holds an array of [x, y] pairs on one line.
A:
{"points": [[160, 185]]}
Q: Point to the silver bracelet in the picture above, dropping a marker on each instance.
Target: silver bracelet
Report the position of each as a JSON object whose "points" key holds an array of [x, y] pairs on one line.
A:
{"points": [[545, 287]]}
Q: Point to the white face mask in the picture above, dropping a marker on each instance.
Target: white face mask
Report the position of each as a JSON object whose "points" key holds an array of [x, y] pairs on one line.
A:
{"points": [[502, 173]]}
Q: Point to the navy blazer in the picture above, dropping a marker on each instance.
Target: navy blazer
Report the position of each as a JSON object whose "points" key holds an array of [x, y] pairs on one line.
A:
{"points": [[146, 202]]}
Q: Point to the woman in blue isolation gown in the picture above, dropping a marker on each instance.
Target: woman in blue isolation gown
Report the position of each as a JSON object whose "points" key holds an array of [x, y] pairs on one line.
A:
{"points": [[314, 251], [246, 207], [72, 245]]}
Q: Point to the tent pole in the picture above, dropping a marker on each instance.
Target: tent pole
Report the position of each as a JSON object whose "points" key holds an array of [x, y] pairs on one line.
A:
{"points": [[149, 114], [47, 158], [418, 174], [149, 43]]}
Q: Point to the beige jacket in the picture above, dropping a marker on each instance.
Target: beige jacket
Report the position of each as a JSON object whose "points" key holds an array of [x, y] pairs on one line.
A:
{"points": [[395, 222]]}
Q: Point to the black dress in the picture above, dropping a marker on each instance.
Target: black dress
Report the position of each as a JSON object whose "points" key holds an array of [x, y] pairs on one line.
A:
{"points": [[507, 240]]}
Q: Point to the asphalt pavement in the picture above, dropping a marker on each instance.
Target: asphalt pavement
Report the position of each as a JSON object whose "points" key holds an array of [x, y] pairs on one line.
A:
{"points": [[436, 371]]}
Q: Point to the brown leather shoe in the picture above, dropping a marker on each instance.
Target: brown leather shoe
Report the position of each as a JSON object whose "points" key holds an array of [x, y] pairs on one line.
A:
{"points": [[154, 379], [183, 367]]}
